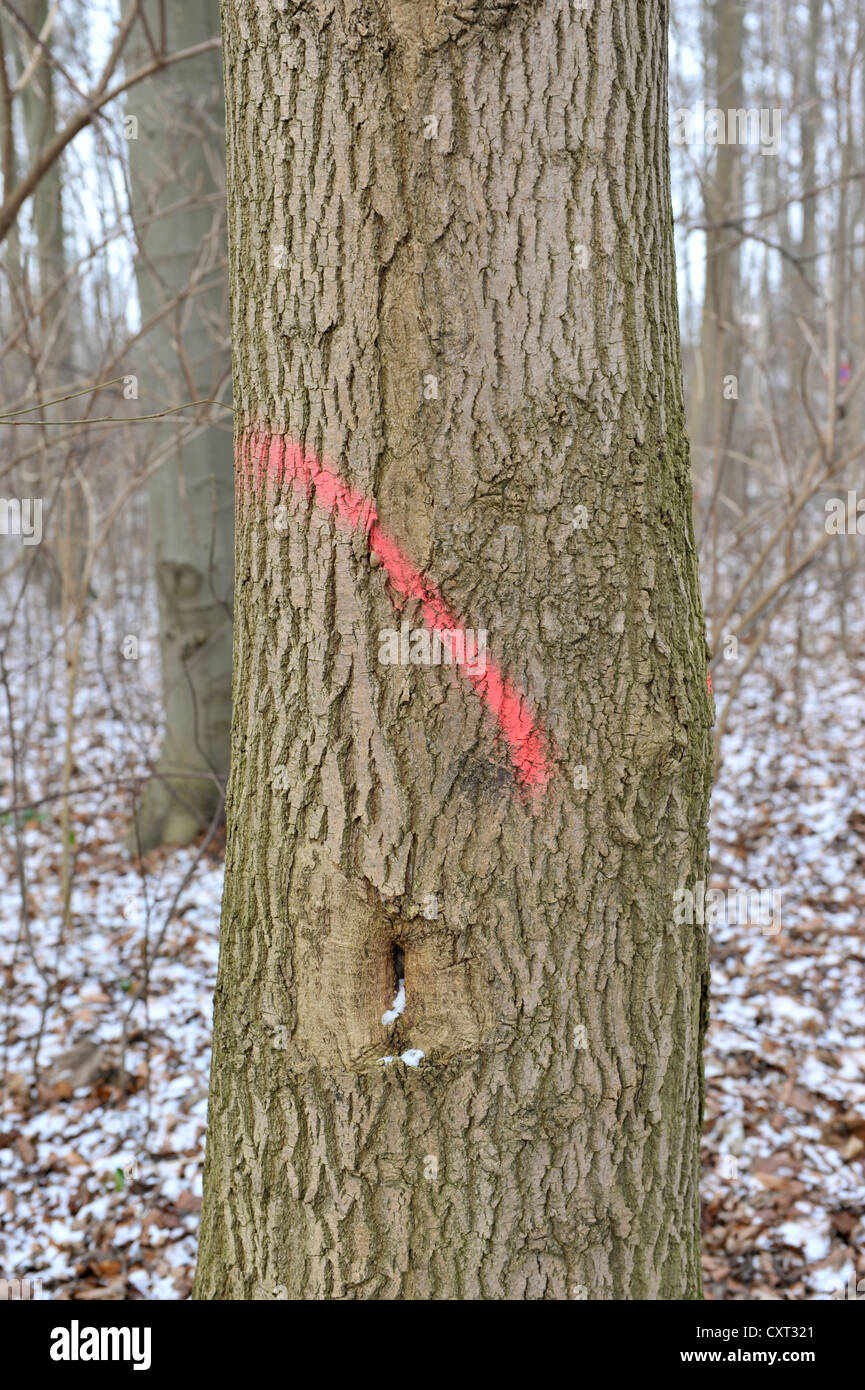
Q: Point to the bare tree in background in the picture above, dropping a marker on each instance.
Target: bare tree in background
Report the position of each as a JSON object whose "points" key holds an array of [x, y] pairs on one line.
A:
{"points": [[176, 153], [76, 372], [779, 253], [713, 417]]}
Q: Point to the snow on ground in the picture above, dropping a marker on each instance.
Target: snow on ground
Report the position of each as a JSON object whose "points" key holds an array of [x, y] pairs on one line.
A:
{"points": [[784, 1179], [101, 1156]]}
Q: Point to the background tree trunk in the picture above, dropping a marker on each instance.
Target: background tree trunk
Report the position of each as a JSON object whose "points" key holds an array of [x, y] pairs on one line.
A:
{"points": [[477, 194], [58, 332], [39, 117], [176, 154], [712, 426]]}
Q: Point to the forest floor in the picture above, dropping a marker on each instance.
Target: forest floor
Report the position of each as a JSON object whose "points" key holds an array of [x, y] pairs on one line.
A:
{"points": [[105, 1021]]}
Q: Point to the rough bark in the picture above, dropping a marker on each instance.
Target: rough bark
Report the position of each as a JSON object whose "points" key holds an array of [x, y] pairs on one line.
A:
{"points": [[547, 1144], [176, 181]]}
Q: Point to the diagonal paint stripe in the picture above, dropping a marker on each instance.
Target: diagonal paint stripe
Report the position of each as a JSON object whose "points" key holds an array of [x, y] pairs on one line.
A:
{"points": [[267, 460]]}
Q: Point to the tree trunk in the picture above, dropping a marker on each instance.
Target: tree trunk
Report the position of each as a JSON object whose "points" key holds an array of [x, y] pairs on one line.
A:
{"points": [[477, 194], [39, 119], [714, 419], [55, 334], [809, 129], [175, 157]]}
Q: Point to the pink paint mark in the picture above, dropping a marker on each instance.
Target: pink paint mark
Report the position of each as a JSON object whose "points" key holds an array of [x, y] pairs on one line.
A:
{"points": [[270, 460]]}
